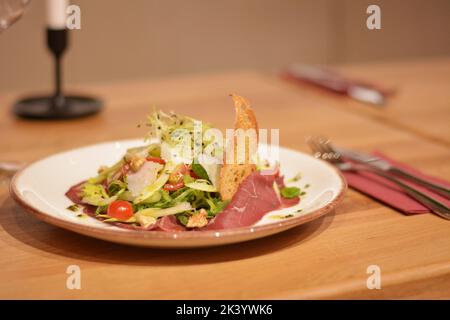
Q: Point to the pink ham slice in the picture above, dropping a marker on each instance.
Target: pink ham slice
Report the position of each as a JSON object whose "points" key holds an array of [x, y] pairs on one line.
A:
{"points": [[286, 203], [170, 223], [280, 181], [74, 193], [254, 198], [167, 223]]}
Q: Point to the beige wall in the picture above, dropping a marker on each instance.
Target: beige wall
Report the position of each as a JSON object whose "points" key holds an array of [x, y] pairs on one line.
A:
{"points": [[133, 39]]}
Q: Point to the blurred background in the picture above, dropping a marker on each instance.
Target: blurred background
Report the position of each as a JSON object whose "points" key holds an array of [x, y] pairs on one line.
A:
{"points": [[122, 40]]}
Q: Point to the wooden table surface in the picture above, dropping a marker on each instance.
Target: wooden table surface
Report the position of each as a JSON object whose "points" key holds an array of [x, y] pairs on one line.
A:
{"points": [[327, 258], [421, 99]]}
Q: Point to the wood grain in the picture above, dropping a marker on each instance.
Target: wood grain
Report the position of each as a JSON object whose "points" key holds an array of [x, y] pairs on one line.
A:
{"points": [[421, 99], [327, 258]]}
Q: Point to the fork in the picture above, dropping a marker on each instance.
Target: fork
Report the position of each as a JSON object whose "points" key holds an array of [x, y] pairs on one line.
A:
{"points": [[323, 149]]}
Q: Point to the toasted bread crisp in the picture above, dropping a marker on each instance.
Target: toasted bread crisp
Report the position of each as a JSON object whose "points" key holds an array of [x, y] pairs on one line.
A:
{"points": [[232, 174], [245, 117]]}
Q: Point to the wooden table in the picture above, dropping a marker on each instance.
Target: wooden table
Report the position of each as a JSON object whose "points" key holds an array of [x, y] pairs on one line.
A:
{"points": [[327, 258]]}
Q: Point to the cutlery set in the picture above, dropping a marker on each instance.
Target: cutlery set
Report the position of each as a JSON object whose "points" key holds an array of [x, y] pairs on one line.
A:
{"points": [[336, 83], [324, 150]]}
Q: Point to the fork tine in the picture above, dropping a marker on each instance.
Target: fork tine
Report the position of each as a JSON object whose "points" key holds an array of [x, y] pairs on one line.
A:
{"points": [[326, 150], [335, 155], [323, 148]]}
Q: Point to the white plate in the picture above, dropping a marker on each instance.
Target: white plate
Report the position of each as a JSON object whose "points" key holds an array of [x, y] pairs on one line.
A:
{"points": [[40, 189]]}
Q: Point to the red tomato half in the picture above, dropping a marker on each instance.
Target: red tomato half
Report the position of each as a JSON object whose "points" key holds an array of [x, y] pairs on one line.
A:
{"points": [[157, 160], [177, 175], [120, 209]]}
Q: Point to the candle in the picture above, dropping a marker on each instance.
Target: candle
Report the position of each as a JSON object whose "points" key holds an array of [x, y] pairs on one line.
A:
{"points": [[56, 13]]}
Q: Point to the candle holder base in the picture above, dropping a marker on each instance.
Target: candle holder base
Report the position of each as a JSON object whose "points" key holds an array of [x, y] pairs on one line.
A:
{"points": [[42, 108]]}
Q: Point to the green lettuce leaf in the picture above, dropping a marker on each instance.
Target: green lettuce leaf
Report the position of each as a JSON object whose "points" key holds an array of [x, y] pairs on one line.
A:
{"points": [[290, 192]]}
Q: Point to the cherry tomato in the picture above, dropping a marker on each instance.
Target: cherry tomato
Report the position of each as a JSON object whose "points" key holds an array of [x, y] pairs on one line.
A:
{"points": [[176, 178], [120, 209], [157, 160], [173, 187], [177, 175]]}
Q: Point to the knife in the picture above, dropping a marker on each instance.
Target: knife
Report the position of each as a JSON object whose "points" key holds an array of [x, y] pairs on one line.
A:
{"points": [[384, 165], [334, 82]]}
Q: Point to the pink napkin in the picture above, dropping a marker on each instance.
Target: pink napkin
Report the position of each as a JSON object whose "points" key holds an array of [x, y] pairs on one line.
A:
{"points": [[389, 193]]}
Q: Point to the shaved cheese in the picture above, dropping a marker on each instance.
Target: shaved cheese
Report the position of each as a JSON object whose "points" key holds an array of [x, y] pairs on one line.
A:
{"points": [[212, 168], [144, 177], [157, 213]]}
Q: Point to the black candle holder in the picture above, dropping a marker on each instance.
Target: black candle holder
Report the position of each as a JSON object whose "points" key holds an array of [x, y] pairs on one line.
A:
{"points": [[58, 105]]}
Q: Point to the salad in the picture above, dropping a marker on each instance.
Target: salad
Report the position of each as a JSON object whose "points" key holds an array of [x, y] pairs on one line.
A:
{"points": [[171, 184]]}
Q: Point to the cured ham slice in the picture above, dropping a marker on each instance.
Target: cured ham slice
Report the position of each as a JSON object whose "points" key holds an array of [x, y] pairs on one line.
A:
{"points": [[74, 193], [254, 198], [286, 203], [169, 223]]}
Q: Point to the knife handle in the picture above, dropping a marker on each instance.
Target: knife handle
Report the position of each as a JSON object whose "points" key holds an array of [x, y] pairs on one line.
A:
{"points": [[440, 189]]}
